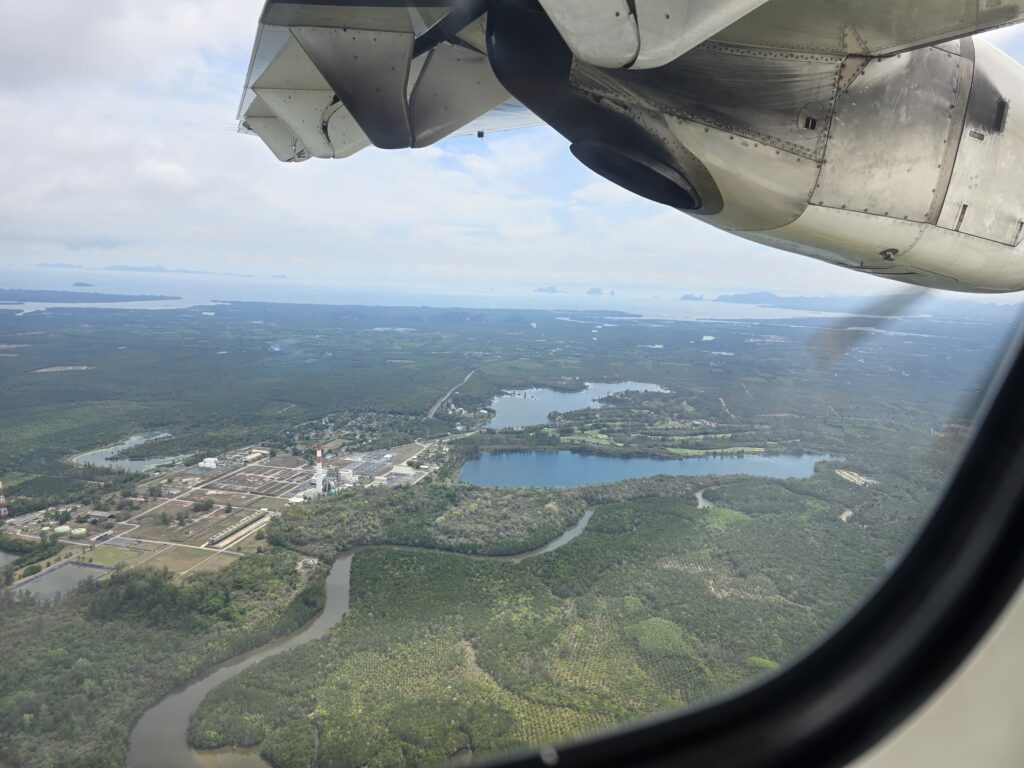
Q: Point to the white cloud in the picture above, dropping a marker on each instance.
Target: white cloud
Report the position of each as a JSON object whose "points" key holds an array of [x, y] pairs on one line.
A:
{"points": [[603, 193], [167, 174]]}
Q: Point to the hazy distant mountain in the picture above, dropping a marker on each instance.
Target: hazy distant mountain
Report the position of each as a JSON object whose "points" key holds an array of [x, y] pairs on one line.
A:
{"points": [[17, 295], [549, 289], [928, 304], [691, 297], [82, 285], [595, 292], [809, 303], [157, 269]]}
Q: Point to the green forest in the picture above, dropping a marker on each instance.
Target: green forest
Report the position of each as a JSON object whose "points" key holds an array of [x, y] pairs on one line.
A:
{"points": [[88, 667], [658, 604], [450, 651]]}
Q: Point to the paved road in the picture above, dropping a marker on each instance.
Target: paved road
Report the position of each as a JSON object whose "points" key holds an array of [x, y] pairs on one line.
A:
{"points": [[439, 403]]}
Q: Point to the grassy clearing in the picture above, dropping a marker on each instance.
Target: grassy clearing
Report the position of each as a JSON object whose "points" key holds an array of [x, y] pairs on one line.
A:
{"points": [[12, 480], [214, 564], [721, 517], [733, 451], [111, 556], [178, 559]]}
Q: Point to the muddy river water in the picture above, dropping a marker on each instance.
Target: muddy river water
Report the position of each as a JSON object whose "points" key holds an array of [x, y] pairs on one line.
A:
{"points": [[159, 738]]}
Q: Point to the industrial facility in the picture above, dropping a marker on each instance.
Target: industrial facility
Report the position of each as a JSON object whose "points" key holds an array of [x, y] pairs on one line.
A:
{"points": [[223, 538]]}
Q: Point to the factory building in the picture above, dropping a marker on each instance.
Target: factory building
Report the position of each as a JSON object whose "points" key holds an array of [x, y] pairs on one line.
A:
{"points": [[230, 531]]}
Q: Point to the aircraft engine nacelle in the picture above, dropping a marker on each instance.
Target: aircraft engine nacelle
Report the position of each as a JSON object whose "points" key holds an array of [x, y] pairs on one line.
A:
{"points": [[905, 166]]}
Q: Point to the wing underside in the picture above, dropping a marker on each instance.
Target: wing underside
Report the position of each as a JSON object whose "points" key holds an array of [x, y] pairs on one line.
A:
{"points": [[327, 80], [330, 78]]}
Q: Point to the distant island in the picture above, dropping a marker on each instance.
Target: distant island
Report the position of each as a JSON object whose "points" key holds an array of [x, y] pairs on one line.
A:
{"points": [[549, 289], [691, 297], [19, 296], [595, 292], [82, 285]]}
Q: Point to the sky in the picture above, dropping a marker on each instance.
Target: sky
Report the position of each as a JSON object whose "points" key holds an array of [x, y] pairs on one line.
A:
{"points": [[120, 147]]}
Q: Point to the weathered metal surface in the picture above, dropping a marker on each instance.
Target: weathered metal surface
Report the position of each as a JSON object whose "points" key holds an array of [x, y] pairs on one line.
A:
{"points": [[867, 26], [369, 71], [455, 87], [787, 127], [303, 113], [670, 28], [987, 175], [761, 187], [599, 32], [745, 91], [279, 139], [343, 131], [888, 135]]}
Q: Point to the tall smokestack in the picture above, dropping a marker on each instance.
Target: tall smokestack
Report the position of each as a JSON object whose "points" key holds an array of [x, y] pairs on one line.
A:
{"points": [[318, 478]]}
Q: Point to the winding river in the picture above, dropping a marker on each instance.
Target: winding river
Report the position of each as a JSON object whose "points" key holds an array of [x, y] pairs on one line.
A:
{"points": [[159, 739]]}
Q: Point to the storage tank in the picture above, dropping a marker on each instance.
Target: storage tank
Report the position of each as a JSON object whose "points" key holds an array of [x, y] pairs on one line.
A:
{"points": [[78, 533], [62, 530]]}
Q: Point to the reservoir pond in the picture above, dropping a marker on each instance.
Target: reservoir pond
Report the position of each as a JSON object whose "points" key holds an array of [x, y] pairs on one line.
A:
{"points": [[569, 469], [101, 457], [60, 580], [529, 407]]}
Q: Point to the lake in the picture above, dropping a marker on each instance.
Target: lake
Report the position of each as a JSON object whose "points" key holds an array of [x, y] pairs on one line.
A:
{"points": [[101, 456], [528, 407], [569, 469], [61, 580]]}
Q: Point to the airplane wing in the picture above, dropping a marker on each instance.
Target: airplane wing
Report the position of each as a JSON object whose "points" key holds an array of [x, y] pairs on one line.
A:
{"points": [[327, 79], [650, 33], [330, 77]]}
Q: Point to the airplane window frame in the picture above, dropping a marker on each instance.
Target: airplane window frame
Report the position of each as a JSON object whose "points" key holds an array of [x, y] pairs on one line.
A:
{"points": [[846, 694]]}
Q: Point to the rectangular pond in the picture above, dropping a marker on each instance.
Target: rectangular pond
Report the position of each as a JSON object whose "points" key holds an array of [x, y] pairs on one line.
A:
{"points": [[528, 407], [60, 580], [569, 469]]}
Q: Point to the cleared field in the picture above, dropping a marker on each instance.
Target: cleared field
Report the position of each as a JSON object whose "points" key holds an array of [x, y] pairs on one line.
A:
{"points": [[272, 503], [111, 556], [284, 461], [14, 479], [234, 498], [738, 450], [178, 559], [249, 544], [405, 452], [215, 563]]}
